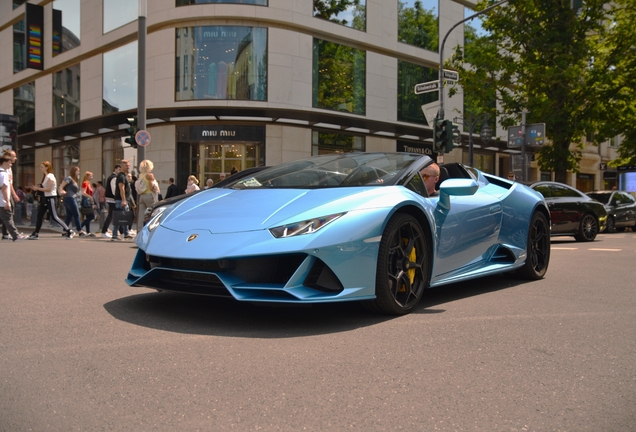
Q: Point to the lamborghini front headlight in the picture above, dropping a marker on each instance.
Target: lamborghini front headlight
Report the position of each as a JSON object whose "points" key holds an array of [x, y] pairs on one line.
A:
{"points": [[305, 227], [156, 219]]}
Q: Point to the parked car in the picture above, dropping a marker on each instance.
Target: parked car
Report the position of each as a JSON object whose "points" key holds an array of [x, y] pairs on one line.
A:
{"points": [[161, 205], [344, 227], [572, 212], [621, 209]]}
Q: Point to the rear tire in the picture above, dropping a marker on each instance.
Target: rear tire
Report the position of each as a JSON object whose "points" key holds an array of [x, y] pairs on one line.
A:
{"points": [[537, 249], [403, 269], [588, 228]]}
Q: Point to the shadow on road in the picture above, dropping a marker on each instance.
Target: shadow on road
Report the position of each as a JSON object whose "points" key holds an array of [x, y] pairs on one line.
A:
{"points": [[190, 314]]}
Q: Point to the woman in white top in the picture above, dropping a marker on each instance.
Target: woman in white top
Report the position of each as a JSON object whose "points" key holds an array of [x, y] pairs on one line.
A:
{"points": [[47, 202], [192, 184]]}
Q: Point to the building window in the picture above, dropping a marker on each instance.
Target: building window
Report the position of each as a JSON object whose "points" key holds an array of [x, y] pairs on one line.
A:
{"points": [[418, 23], [481, 161], [64, 157], [66, 96], [328, 142], [120, 79], [210, 151], [112, 154], [24, 107], [410, 104], [118, 13], [66, 25], [250, 2], [353, 14], [222, 62], [19, 47], [17, 3], [339, 81]]}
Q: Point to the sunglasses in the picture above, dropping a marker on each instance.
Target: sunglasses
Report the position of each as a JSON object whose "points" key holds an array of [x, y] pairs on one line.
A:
{"points": [[428, 176]]}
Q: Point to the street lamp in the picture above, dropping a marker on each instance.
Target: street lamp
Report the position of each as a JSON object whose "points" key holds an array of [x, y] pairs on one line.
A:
{"points": [[485, 133]]}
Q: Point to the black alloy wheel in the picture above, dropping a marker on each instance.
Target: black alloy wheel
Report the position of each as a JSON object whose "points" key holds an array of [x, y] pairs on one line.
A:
{"points": [[403, 266], [538, 248], [588, 228]]}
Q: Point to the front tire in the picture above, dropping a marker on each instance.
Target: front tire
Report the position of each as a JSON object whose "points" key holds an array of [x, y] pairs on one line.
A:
{"points": [[403, 267], [611, 225], [537, 249], [588, 228]]}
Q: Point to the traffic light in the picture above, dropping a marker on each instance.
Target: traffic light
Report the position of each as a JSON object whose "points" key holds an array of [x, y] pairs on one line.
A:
{"points": [[452, 136], [438, 134], [132, 131]]}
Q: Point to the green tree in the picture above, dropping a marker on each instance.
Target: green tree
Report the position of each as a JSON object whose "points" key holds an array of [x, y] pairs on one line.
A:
{"points": [[331, 10], [543, 56], [418, 26], [616, 69]]}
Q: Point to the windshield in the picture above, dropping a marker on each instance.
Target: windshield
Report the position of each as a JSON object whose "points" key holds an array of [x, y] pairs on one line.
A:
{"points": [[601, 197], [333, 170]]}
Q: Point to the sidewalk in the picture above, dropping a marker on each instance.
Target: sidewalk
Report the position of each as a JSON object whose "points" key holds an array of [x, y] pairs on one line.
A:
{"points": [[26, 228]]}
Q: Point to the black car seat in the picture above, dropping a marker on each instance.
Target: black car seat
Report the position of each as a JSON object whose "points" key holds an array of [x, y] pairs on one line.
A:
{"points": [[443, 175]]}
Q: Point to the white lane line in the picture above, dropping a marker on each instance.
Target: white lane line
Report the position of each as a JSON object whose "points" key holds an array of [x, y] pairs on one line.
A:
{"points": [[605, 250], [563, 248]]}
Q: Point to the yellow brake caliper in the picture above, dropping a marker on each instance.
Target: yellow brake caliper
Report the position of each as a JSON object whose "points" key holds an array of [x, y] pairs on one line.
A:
{"points": [[411, 271]]}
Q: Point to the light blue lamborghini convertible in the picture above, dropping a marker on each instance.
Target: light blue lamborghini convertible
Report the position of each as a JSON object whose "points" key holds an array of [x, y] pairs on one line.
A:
{"points": [[342, 227]]}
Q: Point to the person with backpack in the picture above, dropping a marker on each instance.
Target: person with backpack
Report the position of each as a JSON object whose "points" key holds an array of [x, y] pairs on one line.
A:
{"points": [[110, 199]]}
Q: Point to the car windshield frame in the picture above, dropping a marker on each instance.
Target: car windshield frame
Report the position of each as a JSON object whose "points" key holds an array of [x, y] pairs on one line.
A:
{"points": [[597, 196], [335, 171]]}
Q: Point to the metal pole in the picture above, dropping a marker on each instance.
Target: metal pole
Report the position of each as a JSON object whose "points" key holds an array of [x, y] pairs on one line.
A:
{"points": [[523, 144], [141, 76], [441, 55], [470, 139]]}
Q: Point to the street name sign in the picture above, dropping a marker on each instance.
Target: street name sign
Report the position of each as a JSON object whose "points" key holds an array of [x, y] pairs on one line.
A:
{"points": [[426, 87], [451, 75]]}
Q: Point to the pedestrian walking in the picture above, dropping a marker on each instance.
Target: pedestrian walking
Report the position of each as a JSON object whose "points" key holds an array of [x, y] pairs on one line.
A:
{"points": [[88, 205], [6, 209], [69, 191], [193, 184], [109, 199], [173, 190], [48, 201], [122, 197], [13, 197]]}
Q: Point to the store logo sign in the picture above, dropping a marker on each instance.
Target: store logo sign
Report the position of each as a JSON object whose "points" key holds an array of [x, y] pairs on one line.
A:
{"points": [[222, 133]]}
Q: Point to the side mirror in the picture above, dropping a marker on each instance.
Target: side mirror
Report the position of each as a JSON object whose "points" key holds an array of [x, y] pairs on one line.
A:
{"points": [[456, 187]]}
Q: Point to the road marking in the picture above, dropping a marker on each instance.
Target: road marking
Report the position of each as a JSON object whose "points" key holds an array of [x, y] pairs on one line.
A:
{"points": [[605, 250], [563, 248]]}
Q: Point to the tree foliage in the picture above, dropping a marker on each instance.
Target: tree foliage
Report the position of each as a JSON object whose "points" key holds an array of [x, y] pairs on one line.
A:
{"points": [[333, 10], [418, 26], [559, 64]]}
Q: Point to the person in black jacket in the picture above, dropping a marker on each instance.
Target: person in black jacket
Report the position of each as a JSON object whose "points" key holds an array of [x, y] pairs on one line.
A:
{"points": [[110, 199], [172, 189]]}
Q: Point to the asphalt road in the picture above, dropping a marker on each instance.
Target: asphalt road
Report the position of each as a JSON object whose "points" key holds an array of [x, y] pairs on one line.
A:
{"points": [[80, 350]]}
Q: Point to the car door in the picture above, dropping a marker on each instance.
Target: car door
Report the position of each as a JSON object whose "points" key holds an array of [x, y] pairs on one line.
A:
{"points": [[624, 208], [565, 208], [466, 231]]}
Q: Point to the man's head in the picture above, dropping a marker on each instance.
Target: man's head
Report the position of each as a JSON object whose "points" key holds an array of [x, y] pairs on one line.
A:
{"points": [[125, 166], [11, 154], [5, 161], [171, 180], [222, 176], [511, 175], [209, 182], [430, 175], [117, 169]]}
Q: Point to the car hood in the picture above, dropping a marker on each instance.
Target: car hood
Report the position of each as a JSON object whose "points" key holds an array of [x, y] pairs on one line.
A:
{"points": [[226, 210]]}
